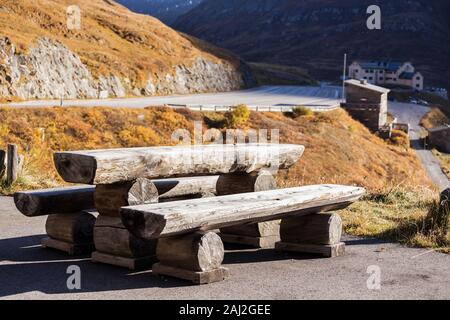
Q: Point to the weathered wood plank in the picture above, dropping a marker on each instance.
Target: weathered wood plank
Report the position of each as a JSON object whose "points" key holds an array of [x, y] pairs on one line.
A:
{"points": [[2, 163], [196, 277], [109, 198], [312, 229], [111, 237], [168, 219], [135, 264], [79, 198], [12, 168], [327, 251], [235, 183], [196, 251], [118, 165], [75, 228], [189, 186], [256, 242], [70, 248], [55, 201]]}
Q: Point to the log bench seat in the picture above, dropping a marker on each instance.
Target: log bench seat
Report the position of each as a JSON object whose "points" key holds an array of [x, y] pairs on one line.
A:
{"points": [[187, 248]]}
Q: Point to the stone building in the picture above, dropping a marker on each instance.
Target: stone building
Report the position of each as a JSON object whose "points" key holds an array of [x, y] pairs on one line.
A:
{"points": [[439, 137], [367, 103], [387, 73]]}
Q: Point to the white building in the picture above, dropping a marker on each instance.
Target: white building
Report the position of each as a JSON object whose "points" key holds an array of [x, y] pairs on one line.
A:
{"points": [[387, 73]]}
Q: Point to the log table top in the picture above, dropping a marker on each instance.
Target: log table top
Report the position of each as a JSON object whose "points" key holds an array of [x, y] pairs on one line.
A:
{"points": [[119, 165]]}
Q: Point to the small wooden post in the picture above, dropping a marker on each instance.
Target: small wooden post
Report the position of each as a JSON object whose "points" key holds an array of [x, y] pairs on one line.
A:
{"points": [[12, 164], [2, 163], [445, 202]]}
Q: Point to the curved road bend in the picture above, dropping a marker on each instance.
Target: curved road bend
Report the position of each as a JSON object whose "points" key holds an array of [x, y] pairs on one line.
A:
{"points": [[273, 96], [412, 114]]}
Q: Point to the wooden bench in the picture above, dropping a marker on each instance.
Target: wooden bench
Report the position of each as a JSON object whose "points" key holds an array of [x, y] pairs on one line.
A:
{"points": [[161, 203], [188, 251]]}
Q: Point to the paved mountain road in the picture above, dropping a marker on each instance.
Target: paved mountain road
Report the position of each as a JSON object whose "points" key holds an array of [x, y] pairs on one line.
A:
{"points": [[412, 114], [326, 97], [29, 272]]}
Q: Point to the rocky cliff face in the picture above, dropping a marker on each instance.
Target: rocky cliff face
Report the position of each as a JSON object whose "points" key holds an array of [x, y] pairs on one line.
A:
{"points": [[51, 70], [112, 52]]}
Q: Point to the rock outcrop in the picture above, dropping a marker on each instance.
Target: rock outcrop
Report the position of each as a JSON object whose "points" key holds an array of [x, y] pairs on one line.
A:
{"points": [[51, 71]]}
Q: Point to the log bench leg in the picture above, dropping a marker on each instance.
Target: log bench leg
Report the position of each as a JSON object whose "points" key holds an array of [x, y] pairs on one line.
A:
{"points": [[115, 245], [71, 233], [316, 233], [195, 257], [259, 235]]}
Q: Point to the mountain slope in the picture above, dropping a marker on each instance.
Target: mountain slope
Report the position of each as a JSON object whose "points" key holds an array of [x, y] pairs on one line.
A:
{"points": [[316, 34], [165, 10], [115, 50]]}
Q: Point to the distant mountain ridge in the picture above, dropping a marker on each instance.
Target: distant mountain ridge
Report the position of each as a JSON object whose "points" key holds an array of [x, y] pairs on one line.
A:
{"points": [[315, 34], [165, 10]]}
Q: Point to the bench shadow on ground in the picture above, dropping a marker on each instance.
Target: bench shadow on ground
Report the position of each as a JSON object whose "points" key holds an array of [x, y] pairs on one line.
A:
{"points": [[27, 267]]}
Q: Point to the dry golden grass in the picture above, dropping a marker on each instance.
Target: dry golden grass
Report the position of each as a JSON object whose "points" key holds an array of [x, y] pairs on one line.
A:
{"points": [[400, 138], [434, 118], [341, 150], [338, 150], [40, 132], [444, 159], [406, 216], [112, 39]]}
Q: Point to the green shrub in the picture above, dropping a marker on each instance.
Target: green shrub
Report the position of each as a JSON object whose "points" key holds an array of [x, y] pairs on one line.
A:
{"points": [[237, 117]]}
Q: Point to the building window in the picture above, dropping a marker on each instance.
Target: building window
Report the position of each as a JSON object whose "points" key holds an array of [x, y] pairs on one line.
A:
{"points": [[356, 71], [365, 78], [417, 85], [381, 78], [418, 78], [370, 78]]}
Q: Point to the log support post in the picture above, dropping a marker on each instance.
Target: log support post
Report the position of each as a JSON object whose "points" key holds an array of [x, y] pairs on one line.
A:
{"points": [[2, 163], [114, 244], [13, 164], [195, 257], [259, 235], [315, 233], [71, 233]]}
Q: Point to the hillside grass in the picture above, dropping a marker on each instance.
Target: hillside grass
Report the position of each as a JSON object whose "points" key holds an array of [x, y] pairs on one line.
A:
{"points": [[339, 150], [434, 118], [112, 39], [410, 217], [444, 160]]}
